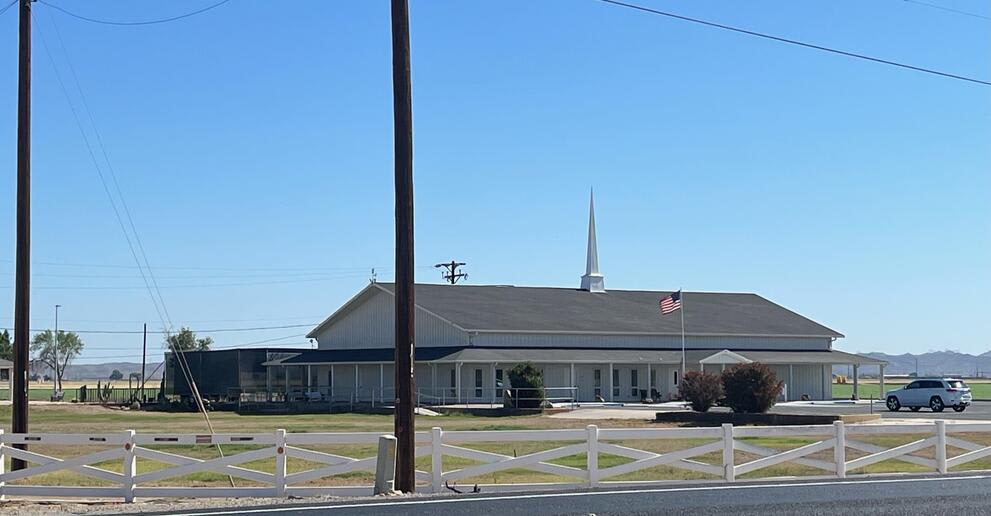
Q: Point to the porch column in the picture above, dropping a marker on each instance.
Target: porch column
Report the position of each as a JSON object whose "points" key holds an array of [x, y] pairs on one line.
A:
{"points": [[309, 377], [881, 378], [610, 382], [650, 387], [457, 381], [791, 376], [331, 389], [355, 381], [574, 387], [856, 381], [381, 382], [492, 368], [433, 381], [286, 370]]}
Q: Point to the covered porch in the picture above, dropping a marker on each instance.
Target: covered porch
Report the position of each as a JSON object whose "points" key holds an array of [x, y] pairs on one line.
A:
{"points": [[807, 374], [446, 376]]}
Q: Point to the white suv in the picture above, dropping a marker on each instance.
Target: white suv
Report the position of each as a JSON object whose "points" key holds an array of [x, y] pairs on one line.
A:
{"points": [[936, 394]]}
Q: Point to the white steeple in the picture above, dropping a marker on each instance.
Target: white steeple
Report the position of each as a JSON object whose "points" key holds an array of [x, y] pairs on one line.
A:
{"points": [[592, 281]]}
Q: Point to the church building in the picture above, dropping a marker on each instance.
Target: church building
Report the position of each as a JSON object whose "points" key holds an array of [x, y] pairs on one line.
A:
{"points": [[591, 343]]}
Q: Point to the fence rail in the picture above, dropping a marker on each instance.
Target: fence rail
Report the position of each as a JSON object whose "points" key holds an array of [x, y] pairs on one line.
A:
{"points": [[425, 397], [723, 454]]}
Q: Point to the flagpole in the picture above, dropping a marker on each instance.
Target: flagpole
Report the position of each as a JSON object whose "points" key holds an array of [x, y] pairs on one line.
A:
{"points": [[681, 295]]}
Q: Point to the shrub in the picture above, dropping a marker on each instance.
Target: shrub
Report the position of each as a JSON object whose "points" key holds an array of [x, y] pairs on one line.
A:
{"points": [[528, 386], [751, 388], [701, 390]]}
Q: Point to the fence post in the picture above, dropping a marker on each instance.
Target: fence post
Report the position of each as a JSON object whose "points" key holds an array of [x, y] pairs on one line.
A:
{"points": [[280, 463], [592, 440], [385, 465], [729, 467], [839, 448], [3, 462], [941, 446], [130, 467], [436, 459]]}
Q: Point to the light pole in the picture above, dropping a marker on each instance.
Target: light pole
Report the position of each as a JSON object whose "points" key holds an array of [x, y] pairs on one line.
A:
{"points": [[55, 382]]}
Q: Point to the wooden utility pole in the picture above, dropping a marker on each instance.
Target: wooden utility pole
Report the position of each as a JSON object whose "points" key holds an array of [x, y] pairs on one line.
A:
{"points": [[144, 356], [452, 275], [403, 127], [22, 280]]}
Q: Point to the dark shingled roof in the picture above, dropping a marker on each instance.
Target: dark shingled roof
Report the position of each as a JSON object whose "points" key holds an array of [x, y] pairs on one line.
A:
{"points": [[544, 309]]}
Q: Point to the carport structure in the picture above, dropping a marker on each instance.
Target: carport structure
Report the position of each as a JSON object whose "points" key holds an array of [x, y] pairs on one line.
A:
{"points": [[787, 363]]}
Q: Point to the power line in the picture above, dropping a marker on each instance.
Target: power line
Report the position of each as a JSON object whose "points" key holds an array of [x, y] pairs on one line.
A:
{"points": [[8, 6], [191, 285], [136, 321], [96, 164], [166, 332], [315, 269], [311, 275], [258, 342], [795, 42], [113, 176], [132, 23], [949, 9]]}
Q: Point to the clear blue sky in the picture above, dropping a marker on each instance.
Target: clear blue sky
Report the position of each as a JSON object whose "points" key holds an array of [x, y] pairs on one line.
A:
{"points": [[253, 144]]}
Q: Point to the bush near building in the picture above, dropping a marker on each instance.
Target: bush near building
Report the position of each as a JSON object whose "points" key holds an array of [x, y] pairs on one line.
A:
{"points": [[751, 388], [700, 390], [527, 386]]}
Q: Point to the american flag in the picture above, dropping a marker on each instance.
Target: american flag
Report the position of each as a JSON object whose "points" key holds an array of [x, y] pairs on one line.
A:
{"points": [[671, 303]]}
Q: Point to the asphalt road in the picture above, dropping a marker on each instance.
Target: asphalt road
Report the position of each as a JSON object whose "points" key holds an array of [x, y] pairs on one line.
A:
{"points": [[955, 495], [978, 410]]}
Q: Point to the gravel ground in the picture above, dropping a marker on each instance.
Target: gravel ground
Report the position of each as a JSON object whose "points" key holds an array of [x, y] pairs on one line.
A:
{"points": [[42, 508]]}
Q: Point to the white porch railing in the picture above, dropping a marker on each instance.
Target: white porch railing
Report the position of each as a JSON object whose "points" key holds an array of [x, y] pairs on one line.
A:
{"points": [[722, 455]]}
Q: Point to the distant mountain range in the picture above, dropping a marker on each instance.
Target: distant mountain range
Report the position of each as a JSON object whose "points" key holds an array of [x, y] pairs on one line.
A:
{"points": [[102, 371], [928, 364]]}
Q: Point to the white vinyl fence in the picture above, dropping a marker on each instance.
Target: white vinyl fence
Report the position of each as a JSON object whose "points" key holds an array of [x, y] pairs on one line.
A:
{"points": [[273, 450]]}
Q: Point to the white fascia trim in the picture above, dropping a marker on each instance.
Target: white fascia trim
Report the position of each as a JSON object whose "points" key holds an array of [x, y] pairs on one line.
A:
{"points": [[718, 358], [340, 311], [649, 334]]}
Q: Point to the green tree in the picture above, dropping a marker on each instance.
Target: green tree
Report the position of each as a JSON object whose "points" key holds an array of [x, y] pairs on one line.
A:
{"points": [[185, 340], [528, 386], [69, 347], [116, 375], [6, 346]]}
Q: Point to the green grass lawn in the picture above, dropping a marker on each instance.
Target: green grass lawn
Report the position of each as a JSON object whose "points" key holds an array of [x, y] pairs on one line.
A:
{"points": [[981, 391], [94, 419]]}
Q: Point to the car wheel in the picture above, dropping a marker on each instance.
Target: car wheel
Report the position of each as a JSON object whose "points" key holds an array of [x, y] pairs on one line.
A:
{"points": [[959, 408], [893, 404], [914, 409], [936, 404]]}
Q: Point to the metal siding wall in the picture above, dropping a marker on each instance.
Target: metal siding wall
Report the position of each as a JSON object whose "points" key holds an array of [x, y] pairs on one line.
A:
{"points": [[639, 341], [343, 380], [807, 380], [371, 325]]}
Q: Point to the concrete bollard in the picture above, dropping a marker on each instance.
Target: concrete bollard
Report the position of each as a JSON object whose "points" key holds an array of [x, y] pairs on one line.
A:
{"points": [[385, 466]]}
